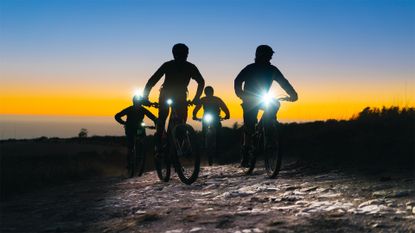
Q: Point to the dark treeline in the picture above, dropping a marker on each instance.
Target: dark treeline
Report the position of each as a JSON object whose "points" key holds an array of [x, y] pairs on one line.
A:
{"points": [[374, 139]]}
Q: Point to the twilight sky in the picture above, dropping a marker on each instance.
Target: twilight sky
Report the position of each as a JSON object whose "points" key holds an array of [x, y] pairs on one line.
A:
{"points": [[85, 58]]}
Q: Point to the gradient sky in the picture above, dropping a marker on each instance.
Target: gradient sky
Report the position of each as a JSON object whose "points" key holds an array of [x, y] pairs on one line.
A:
{"points": [[86, 58]]}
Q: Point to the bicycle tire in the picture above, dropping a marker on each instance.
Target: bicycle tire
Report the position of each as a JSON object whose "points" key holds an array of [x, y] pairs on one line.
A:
{"points": [[163, 165], [186, 153], [140, 158], [272, 151], [210, 145]]}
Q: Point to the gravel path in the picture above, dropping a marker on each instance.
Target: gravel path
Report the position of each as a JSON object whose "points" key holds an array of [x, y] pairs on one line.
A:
{"points": [[302, 199]]}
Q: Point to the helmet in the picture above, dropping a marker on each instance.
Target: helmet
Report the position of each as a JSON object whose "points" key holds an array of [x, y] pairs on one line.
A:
{"points": [[180, 50], [137, 99], [263, 51], [209, 90]]}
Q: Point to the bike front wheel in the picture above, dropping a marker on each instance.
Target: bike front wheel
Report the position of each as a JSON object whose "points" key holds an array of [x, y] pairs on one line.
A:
{"points": [[162, 162], [272, 151], [186, 153]]}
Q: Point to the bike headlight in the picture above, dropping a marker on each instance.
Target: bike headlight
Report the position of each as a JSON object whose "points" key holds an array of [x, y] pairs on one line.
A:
{"points": [[138, 93], [266, 98], [143, 124], [208, 118], [169, 101]]}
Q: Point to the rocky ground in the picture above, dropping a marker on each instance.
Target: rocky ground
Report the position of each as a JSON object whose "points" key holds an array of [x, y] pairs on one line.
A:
{"points": [[302, 199]]}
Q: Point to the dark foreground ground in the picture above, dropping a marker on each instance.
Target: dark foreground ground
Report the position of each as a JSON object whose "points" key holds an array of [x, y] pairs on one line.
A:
{"points": [[302, 199]]}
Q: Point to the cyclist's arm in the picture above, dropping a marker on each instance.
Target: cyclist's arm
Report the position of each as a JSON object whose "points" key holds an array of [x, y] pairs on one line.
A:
{"points": [[150, 115], [224, 108], [200, 84], [118, 116], [283, 82], [196, 110], [238, 83], [153, 80]]}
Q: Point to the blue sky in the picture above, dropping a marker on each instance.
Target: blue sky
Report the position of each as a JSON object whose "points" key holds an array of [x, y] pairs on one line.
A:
{"points": [[321, 44]]}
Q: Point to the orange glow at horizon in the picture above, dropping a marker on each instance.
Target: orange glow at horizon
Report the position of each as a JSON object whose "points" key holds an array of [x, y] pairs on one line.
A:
{"points": [[309, 107]]}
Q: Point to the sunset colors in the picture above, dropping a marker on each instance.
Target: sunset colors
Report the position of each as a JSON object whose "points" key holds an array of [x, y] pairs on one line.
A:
{"points": [[86, 58]]}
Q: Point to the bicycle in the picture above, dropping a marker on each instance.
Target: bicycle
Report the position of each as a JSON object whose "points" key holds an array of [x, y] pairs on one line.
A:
{"points": [[136, 157], [179, 147], [266, 141], [210, 135]]}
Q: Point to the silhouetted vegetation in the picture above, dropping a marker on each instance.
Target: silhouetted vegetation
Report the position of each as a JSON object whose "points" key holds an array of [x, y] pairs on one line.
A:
{"points": [[374, 139]]}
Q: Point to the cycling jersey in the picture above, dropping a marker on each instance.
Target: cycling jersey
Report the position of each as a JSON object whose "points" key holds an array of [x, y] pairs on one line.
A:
{"points": [[135, 116], [258, 78], [177, 77]]}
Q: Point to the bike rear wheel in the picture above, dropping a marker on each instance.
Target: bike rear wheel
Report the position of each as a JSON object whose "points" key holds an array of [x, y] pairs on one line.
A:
{"points": [[140, 158], [186, 153], [131, 163], [272, 151], [163, 165], [210, 145]]}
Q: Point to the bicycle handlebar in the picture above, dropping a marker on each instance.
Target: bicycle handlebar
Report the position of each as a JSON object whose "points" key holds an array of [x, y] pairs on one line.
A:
{"points": [[157, 105]]}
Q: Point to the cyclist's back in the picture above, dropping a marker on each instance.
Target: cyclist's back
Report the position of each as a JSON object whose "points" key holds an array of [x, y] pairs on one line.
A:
{"points": [[135, 115], [258, 78], [177, 76], [211, 104]]}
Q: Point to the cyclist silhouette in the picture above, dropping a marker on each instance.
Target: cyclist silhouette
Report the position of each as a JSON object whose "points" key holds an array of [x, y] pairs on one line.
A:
{"points": [[178, 73], [135, 115], [212, 105], [257, 78]]}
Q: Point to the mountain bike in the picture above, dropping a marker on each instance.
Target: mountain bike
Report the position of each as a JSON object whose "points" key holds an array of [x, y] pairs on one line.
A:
{"points": [[211, 125], [266, 141], [179, 147], [137, 156]]}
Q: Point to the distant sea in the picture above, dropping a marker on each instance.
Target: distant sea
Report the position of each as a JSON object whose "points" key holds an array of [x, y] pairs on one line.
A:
{"points": [[35, 126]]}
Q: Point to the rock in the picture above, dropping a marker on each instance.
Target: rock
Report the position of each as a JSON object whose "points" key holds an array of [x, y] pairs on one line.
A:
{"points": [[330, 195], [399, 193], [380, 193], [290, 188], [290, 198], [411, 203], [372, 209], [175, 231], [372, 202], [196, 229], [309, 189], [413, 210]]}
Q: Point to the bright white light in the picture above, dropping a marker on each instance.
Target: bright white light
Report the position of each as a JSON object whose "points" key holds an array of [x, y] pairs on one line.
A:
{"points": [[138, 92], [267, 98], [208, 118], [169, 101], [143, 124]]}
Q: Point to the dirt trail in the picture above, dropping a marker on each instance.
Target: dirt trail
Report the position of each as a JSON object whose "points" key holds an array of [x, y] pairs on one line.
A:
{"points": [[302, 199]]}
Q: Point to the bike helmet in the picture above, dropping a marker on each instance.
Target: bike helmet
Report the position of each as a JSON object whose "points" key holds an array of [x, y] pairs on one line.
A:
{"points": [[264, 51], [209, 90], [180, 51]]}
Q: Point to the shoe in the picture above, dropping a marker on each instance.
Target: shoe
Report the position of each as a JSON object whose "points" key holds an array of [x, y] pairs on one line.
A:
{"points": [[244, 163], [157, 153]]}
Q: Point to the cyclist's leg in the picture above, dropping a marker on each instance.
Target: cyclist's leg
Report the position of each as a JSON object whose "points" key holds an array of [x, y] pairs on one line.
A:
{"points": [[161, 121], [250, 112], [270, 114], [181, 108], [130, 136]]}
